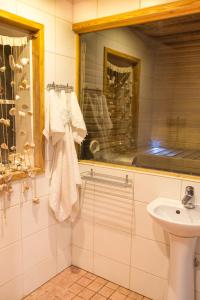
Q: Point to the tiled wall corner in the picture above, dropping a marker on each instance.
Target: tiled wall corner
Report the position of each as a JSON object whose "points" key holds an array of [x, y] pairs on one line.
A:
{"points": [[139, 258]]}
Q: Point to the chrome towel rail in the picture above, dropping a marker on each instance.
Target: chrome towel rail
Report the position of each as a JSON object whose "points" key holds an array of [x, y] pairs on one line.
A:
{"points": [[107, 179]]}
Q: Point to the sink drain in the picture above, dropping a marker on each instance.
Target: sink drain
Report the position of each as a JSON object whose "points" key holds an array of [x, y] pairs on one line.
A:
{"points": [[178, 212]]}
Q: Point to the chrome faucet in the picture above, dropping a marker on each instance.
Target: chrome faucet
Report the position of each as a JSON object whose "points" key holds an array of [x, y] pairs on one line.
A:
{"points": [[187, 200]]}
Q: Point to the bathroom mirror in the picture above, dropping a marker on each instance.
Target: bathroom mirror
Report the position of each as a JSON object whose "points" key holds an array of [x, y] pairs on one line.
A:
{"points": [[157, 125], [21, 96]]}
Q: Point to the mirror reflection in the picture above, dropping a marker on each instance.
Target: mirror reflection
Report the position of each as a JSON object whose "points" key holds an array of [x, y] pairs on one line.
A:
{"points": [[140, 91]]}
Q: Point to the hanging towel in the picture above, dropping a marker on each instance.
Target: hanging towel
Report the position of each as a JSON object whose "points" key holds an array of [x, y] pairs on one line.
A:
{"points": [[64, 124]]}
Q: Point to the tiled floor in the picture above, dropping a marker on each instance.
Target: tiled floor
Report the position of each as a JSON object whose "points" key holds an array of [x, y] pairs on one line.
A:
{"points": [[77, 284]]}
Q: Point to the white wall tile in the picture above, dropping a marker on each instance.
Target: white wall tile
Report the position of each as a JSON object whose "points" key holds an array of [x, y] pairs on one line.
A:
{"points": [[37, 15], [39, 246], [116, 245], [65, 39], [64, 259], [157, 260], [82, 258], [12, 290], [148, 285], [50, 68], [65, 70], [10, 226], [148, 187], [10, 262], [82, 235], [108, 8], [42, 186], [10, 6], [146, 227], [36, 217], [45, 5], [38, 274], [111, 270], [64, 9], [13, 199], [84, 10], [148, 3], [63, 235]]}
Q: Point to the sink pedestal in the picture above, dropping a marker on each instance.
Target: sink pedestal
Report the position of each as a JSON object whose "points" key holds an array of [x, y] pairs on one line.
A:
{"points": [[181, 274]]}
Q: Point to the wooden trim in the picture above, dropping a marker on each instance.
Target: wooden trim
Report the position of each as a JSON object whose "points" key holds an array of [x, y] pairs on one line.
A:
{"points": [[136, 66], [77, 83], [142, 170], [38, 84], [140, 16]]}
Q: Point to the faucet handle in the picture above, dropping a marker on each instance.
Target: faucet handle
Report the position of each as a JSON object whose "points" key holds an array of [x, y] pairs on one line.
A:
{"points": [[189, 190]]}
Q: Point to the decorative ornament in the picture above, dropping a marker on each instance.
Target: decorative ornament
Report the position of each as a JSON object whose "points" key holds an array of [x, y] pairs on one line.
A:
{"points": [[24, 61], [4, 146], [25, 106], [21, 87], [21, 113], [7, 177], [36, 200], [13, 148], [22, 132], [7, 123], [2, 69], [11, 62], [27, 146], [17, 97], [18, 68], [32, 173], [12, 111], [12, 83], [25, 186]]}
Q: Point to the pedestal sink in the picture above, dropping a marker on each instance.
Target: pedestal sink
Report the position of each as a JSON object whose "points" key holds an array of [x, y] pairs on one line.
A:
{"points": [[183, 226]]}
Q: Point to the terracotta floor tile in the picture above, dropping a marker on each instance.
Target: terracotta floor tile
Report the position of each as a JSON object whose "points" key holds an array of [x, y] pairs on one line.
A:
{"points": [[98, 297], [135, 296], [68, 296], [95, 286], [124, 291], [86, 294], [77, 284], [117, 296], [76, 288], [90, 276], [106, 291], [84, 281], [112, 285], [101, 280]]}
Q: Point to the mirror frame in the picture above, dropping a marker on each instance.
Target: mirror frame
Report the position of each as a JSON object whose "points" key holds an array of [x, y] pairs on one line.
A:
{"points": [[140, 16], [38, 85]]}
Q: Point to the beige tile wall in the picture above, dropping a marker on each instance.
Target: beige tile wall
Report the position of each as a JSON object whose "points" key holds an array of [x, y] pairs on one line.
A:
{"points": [[102, 8], [121, 242], [33, 246]]}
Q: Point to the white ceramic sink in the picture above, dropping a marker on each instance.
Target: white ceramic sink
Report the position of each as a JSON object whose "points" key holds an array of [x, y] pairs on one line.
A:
{"points": [[175, 218], [183, 225]]}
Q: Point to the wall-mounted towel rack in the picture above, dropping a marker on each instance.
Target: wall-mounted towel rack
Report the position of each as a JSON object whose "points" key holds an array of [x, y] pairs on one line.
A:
{"points": [[59, 87], [107, 179]]}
